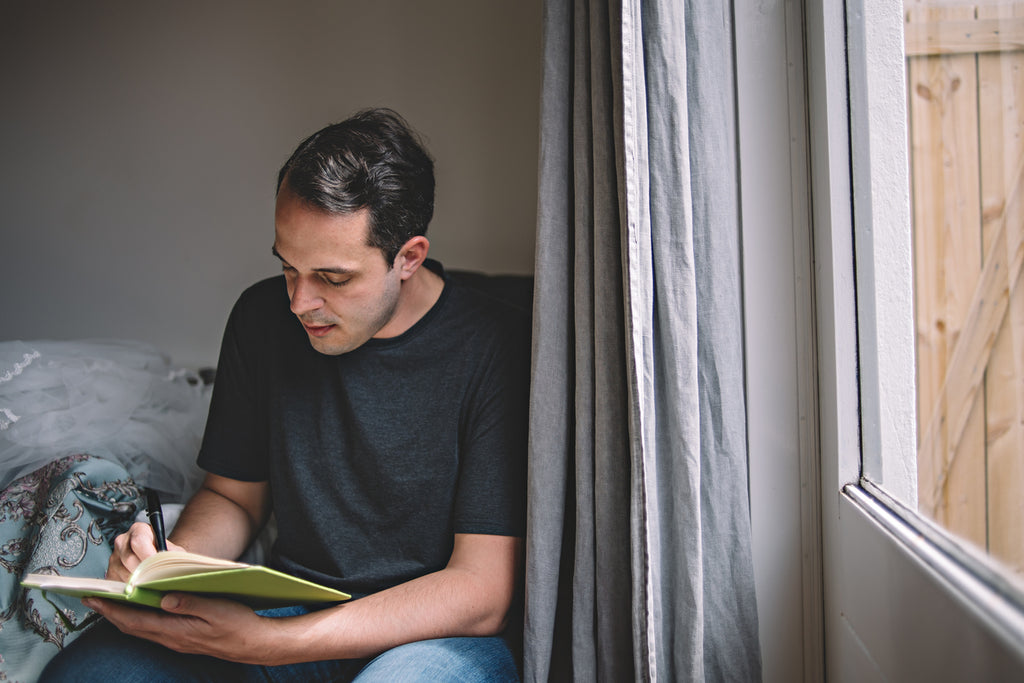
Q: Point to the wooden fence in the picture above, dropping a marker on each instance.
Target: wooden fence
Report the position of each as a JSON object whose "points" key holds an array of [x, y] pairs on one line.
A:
{"points": [[965, 70]]}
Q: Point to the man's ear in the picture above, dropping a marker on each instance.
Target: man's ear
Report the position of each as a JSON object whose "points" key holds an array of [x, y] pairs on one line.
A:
{"points": [[411, 256]]}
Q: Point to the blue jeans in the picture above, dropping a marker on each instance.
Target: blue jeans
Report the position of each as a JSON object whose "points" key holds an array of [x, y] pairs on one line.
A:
{"points": [[105, 655]]}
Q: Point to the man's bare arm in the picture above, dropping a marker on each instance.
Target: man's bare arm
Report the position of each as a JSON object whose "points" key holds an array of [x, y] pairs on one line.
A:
{"points": [[471, 596], [223, 518], [220, 520]]}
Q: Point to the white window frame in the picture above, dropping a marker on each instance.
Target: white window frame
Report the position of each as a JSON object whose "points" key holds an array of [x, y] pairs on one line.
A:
{"points": [[852, 584], [899, 604]]}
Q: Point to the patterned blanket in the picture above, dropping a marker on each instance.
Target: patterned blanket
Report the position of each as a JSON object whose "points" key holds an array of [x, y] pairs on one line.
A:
{"points": [[60, 519]]}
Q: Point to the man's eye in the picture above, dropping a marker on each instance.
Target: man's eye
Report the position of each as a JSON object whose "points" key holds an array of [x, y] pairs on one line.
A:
{"points": [[336, 283]]}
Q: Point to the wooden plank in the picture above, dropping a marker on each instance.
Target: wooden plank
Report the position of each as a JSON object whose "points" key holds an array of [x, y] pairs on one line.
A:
{"points": [[1005, 439], [943, 110], [1001, 107], [964, 510], [963, 495], [970, 36], [927, 211], [928, 182]]}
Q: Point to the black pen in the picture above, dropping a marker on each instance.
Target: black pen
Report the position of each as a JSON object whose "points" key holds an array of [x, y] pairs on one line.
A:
{"points": [[156, 518]]}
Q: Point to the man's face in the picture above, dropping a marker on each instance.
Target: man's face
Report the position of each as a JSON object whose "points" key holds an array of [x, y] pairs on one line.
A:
{"points": [[341, 289]]}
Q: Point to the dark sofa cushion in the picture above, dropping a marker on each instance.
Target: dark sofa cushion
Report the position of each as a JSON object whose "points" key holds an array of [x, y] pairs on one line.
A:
{"points": [[513, 289]]}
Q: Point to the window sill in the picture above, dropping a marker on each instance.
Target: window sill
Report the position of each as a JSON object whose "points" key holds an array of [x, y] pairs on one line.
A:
{"points": [[915, 608]]}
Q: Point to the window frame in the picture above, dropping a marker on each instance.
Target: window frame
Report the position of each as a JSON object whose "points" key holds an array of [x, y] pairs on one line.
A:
{"points": [[903, 599], [884, 280], [851, 586]]}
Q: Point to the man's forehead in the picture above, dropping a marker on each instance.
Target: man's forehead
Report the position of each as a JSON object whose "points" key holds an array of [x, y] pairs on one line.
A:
{"points": [[287, 199]]}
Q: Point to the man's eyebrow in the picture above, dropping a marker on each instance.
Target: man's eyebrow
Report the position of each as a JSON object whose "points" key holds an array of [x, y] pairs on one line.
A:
{"points": [[337, 270]]}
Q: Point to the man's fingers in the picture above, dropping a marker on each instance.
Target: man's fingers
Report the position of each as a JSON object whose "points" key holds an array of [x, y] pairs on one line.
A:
{"points": [[130, 548], [142, 542]]}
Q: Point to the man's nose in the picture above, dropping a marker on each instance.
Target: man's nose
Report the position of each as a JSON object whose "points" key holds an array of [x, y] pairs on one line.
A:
{"points": [[305, 297]]}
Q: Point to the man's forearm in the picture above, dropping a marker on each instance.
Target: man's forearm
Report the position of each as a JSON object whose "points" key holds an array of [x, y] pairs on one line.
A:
{"points": [[215, 524], [464, 599]]}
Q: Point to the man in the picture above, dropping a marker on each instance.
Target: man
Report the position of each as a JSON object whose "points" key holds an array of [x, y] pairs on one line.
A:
{"points": [[378, 410]]}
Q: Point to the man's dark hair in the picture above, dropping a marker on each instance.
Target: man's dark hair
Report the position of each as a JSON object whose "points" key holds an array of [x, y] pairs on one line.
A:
{"points": [[372, 160]]}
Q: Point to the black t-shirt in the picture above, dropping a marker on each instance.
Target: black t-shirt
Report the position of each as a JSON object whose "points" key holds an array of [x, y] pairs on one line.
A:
{"points": [[375, 457]]}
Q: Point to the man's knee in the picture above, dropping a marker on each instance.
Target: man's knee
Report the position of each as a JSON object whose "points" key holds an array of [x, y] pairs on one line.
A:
{"points": [[448, 660]]}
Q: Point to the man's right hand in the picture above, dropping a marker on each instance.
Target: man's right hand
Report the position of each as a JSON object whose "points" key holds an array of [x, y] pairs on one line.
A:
{"points": [[131, 548], [220, 520]]}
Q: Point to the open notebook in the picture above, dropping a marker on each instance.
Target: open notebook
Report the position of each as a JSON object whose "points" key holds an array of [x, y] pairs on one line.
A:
{"points": [[259, 587]]}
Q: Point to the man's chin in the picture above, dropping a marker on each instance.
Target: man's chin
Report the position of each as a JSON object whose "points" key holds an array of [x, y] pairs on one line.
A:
{"points": [[331, 347]]}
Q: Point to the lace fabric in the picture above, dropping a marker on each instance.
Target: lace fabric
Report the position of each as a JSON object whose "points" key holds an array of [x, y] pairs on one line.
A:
{"points": [[121, 400]]}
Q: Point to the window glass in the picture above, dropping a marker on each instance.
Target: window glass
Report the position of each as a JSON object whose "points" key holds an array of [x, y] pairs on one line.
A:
{"points": [[965, 108]]}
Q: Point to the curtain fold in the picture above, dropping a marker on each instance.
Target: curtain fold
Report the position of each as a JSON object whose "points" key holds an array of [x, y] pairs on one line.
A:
{"points": [[638, 551]]}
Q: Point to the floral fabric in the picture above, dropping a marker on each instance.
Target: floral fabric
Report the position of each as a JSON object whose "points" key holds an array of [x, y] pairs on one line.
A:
{"points": [[59, 519]]}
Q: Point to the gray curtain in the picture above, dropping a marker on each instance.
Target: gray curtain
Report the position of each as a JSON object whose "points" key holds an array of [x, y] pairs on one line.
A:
{"points": [[638, 551]]}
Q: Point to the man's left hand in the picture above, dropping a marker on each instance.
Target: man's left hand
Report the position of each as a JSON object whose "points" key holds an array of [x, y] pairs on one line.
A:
{"points": [[196, 625]]}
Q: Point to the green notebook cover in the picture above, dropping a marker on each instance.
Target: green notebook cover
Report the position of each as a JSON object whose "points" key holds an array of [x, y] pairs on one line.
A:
{"points": [[256, 586]]}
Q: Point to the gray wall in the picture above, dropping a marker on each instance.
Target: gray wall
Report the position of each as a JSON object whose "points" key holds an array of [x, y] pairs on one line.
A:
{"points": [[139, 145]]}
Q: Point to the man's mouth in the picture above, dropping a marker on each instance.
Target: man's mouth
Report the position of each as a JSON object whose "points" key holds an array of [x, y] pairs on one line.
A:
{"points": [[317, 330]]}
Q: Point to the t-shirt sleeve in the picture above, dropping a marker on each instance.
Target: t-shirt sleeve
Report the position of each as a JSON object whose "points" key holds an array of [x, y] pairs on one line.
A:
{"points": [[234, 442], [491, 493]]}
